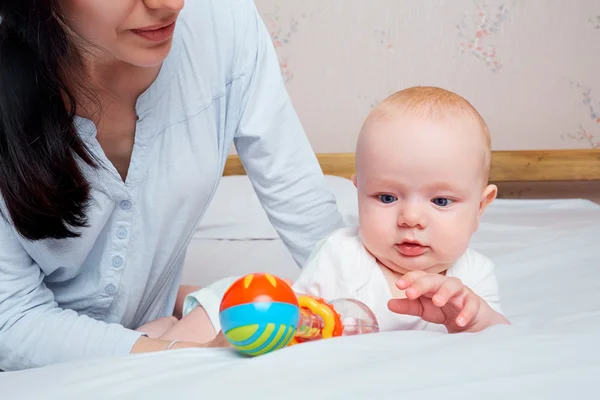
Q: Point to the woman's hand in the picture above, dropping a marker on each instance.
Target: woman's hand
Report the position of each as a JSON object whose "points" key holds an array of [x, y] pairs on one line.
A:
{"points": [[444, 300], [148, 345]]}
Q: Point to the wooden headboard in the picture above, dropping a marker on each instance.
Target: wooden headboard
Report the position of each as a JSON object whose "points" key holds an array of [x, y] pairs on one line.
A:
{"points": [[507, 166]]}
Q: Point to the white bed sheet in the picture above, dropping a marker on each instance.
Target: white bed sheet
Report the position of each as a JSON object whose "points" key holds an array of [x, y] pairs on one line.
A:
{"points": [[548, 263]]}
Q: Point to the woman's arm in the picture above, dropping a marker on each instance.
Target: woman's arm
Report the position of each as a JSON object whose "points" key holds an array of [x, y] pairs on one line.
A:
{"points": [[274, 149], [35, 332]]}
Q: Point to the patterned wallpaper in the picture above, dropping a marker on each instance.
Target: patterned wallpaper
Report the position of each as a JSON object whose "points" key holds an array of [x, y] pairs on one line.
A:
{"points": [[529, 66]]}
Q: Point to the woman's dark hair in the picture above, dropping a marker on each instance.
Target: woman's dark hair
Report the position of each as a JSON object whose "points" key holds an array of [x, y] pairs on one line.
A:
{"points": [[41, 180]]}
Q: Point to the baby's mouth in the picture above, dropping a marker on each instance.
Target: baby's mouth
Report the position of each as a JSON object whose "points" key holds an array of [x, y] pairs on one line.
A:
{"points": [[411, 249]]}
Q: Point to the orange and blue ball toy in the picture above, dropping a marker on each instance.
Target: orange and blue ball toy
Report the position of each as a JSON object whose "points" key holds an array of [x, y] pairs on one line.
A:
{"points": [[259, 313]]}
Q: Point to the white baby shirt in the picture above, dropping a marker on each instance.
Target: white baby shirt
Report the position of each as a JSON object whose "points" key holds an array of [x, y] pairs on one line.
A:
{"points": [[341, 267]]}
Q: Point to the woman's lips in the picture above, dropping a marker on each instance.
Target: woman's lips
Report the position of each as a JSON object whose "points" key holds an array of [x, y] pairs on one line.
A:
{"points": [[157, 34]]}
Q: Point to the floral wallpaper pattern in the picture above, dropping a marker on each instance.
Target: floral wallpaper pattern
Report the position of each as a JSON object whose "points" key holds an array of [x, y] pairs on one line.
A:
{"points": [[483, 25], [509, 58], [530, 67], [588, 131]]}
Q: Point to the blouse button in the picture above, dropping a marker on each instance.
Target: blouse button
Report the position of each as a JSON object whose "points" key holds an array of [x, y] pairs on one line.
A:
{"points": [[111, 289], [117, 261]]}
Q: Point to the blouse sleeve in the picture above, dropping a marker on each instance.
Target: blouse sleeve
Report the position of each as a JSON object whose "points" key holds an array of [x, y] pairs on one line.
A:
{"points": [[34, 330], [275, 151]]}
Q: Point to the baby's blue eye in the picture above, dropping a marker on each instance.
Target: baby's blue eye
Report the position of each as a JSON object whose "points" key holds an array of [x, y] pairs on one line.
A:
{"points": [[441, 201], [387, 198]]}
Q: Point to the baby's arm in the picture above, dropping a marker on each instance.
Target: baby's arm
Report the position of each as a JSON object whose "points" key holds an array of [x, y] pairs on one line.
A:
{"points": [[155, 329], [182, 293], [193, 327], [323, 274], [200, 322], [201, 313], [485, 284]]}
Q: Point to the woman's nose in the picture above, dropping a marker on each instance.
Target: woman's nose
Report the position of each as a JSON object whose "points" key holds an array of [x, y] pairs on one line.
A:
{"points": [[167, 5]]}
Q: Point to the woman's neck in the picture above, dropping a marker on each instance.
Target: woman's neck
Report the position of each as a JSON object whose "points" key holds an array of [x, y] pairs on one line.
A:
{"points": [[115, 84]]}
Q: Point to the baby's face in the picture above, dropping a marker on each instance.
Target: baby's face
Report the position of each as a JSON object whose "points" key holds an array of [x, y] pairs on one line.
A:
{"points": [[421, 190]]}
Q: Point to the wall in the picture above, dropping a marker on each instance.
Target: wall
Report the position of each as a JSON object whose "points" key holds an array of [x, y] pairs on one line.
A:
{"points": [[529, 67]]}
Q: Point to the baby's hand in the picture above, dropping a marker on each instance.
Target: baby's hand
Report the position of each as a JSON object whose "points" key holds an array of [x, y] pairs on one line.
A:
{"points": [[219, 341], [444, 300]]}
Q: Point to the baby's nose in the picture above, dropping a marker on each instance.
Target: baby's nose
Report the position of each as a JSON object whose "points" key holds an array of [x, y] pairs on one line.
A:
{"points": [[412, 215]]}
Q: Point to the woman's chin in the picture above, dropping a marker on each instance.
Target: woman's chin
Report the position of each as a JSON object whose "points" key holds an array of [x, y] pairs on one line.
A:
{"points": [[147, 57]]}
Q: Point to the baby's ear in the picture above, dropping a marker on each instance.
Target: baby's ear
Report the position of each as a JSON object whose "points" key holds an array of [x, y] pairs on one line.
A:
{"points": [[353, 179], [489, 194]]}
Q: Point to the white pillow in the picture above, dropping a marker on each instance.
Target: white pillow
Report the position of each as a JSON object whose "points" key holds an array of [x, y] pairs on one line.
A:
{"points": [[235, 212]]}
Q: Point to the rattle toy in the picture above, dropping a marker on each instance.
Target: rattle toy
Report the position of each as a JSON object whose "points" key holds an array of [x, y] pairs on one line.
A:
{"points": [[260, 313]]}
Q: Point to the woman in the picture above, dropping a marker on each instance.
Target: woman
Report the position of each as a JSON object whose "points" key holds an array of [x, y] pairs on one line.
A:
{"points": [[116, 118]]}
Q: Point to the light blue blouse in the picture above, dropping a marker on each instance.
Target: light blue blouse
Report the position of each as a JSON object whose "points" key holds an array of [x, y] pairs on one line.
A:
{"points": [[221, 85]]}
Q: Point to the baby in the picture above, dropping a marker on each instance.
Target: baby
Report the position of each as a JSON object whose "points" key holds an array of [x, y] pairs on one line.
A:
{"points": [[422, 167]]}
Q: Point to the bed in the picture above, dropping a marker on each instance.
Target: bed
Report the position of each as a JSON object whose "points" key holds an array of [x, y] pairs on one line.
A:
{"points": [[547, 254]]}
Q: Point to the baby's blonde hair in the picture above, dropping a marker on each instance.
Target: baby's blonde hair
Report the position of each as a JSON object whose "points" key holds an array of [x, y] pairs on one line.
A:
{"points": [[431, 103]]}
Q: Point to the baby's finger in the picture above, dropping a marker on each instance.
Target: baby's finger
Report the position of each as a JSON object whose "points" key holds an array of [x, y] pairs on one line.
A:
{"points": [[422, 307], [429, 283], [469, 311], [406, 307], [408, 279], [450, 288]]}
